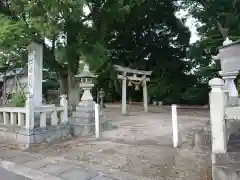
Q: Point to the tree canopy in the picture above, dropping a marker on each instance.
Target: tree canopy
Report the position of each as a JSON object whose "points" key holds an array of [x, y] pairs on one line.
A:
{"points": [[135, 33]]}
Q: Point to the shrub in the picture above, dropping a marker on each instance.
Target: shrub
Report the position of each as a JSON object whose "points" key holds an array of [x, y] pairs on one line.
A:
{"points": [[18, 99]]}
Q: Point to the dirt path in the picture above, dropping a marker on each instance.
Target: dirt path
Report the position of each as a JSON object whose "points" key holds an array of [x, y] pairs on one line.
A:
{"points": [[140, 148]]}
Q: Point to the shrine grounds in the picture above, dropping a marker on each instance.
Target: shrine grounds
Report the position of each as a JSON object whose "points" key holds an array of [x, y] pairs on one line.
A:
{"points": [[139, 147]]}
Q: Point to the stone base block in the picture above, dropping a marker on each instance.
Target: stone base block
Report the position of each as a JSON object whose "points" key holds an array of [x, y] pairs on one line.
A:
{"points": [[86, 105], [79, 114], [27, 137], [81, 120], [89, 129]]}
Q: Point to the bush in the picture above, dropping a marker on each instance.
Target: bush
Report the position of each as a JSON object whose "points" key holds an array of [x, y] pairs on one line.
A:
{"points": [[18, 99]]}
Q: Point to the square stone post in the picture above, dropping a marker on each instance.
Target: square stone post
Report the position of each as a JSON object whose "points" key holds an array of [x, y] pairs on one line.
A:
{"points": [[64, 103], [29, 124], [35, 61], [217, 112], [145, 95], [124, 94]]}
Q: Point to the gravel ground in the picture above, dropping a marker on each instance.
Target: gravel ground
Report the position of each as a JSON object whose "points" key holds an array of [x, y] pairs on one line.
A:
{"points": [[140, 148]]}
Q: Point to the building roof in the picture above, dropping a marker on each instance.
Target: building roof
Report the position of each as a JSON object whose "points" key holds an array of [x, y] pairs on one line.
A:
{"points": [[14, 72]]}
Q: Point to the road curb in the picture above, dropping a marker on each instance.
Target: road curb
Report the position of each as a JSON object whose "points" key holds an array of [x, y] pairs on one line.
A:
{"points": [[26, 171]]}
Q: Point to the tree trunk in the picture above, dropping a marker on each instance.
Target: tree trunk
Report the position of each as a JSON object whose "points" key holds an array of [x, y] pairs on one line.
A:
{"points": [[73, 91], [63, 85]]}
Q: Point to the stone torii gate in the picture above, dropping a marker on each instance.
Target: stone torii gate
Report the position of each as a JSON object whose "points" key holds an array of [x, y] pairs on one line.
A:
{"points": [[136, 77]]}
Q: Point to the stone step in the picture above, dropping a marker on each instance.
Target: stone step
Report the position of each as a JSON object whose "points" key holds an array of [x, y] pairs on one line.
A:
{"points": [[223, 173], [226, 167], [234, 142]]}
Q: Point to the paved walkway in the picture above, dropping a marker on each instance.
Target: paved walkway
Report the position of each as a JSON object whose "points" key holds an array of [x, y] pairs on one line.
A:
{"points": [[38, 167], [140, 148], [5, 174]]}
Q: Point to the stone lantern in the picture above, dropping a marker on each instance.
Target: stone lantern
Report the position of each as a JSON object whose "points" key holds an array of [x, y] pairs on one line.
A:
{"points": [[82, 121], [229, 56], [86, 83], [101, 94]]}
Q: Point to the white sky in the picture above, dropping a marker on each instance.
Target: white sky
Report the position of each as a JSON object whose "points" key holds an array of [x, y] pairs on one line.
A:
{"points": [[190, 23]]}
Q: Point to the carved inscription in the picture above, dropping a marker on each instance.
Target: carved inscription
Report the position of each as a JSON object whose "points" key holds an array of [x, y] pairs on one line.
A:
{"points": [[31, 59]]}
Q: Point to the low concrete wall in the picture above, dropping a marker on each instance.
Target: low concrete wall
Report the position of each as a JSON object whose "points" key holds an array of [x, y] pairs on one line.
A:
{"points": [[26, 138], [87, 129]]}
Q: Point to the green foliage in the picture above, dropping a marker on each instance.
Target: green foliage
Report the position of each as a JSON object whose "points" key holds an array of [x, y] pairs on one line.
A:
{"points": [[216, 21], [17, 99], [138, 34], [238, 86], [152, 38]]}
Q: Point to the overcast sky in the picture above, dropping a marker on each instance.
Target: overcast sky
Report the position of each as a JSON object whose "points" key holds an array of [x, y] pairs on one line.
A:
{"points": [[190, 23]]}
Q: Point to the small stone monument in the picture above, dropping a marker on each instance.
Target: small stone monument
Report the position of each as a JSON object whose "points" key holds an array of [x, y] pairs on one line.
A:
{"points": [[35, 66]]}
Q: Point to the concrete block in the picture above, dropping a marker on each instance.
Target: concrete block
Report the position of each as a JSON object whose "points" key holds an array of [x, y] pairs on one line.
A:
{"points": [[86, 115], [9, 135], [77, 173], [36, 164], [55, 169], [79, 120], [7, 155], [82, 130], [22, 159], [38, 138], [25, 139], [222, 173], [101, 178]]}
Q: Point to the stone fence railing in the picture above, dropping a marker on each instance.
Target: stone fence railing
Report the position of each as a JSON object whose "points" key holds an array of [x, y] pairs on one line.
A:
{"points": [[224, 114], [25, 117]]}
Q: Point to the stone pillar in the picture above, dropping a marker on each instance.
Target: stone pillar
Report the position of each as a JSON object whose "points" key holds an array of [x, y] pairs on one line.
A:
{"points": [[35, 60], [64, 103], [29, 124], [230, 86], [124, 94], [217, 112], [145, 96]]}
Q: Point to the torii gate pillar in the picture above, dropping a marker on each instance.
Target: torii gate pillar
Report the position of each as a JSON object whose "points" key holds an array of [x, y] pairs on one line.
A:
{"points": [[145, 96], [124, 94]]}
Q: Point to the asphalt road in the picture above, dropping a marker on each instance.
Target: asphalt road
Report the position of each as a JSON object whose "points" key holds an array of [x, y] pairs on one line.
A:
{"points": [[7, 175]]}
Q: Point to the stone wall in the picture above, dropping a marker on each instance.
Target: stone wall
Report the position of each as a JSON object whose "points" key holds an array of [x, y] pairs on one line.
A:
{"points": [[12, 85]]}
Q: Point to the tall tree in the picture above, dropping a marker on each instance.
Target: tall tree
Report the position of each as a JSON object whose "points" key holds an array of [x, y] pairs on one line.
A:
{"points": [[65, 26], [152, 38], [215, 20]]}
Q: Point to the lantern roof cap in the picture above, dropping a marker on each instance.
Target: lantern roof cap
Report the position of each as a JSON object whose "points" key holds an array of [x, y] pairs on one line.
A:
{"points": [[228, 43], [86, 73]]}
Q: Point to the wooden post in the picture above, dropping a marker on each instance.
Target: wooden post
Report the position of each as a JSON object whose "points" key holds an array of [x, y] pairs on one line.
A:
{"points": [[175, 126], [124, 94], [97, 120], [145, 95]]}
